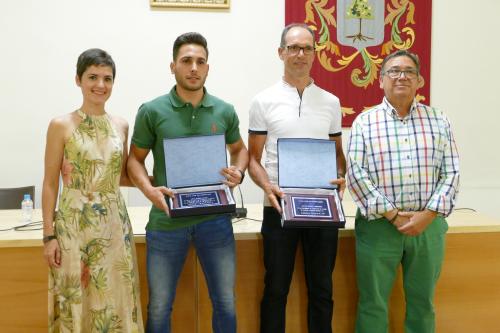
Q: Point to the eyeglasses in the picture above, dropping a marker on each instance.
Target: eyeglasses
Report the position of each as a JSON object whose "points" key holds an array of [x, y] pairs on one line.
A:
{"points": [[295, 49], [396, 73]]}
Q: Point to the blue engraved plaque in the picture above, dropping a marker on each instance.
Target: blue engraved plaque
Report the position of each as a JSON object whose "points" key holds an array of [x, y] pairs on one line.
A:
{"points": [[193, 167], [311, 207], [306, 167], [199, 199]]}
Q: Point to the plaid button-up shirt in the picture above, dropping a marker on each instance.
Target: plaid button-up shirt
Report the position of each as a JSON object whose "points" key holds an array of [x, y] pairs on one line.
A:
{"points": [[410, 164]]}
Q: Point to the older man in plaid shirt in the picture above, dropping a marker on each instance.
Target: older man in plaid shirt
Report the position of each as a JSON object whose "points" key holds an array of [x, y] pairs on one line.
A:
{"points": [[403, 175]]}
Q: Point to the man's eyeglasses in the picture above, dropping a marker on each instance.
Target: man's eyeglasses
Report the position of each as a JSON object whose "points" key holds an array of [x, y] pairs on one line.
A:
{"points": [[396, 73], [295, 49]]}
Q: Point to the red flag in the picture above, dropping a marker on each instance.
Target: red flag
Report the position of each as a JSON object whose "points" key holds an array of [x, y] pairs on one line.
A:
{"points": [[352, 39]]}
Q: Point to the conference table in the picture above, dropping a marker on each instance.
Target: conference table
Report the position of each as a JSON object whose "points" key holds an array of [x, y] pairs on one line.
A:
{"points": [[467, 295]]}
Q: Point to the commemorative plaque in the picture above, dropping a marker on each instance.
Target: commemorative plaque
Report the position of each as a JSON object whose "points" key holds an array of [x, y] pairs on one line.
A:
{"points": [[305, 169], [193, 166]]}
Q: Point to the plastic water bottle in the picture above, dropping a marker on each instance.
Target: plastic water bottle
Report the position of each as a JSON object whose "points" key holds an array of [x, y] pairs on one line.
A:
{"points": [[27, 208]]}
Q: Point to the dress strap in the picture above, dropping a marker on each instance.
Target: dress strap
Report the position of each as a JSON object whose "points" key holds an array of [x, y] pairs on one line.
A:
{"points": [[85, 116], [82, 114]]}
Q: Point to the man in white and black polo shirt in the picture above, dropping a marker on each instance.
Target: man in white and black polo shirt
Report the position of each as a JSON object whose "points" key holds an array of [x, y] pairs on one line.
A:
{"points": [[294, 108]]}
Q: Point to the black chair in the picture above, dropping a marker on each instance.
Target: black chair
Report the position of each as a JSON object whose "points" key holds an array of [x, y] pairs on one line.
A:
{"points": [[10, 198]]}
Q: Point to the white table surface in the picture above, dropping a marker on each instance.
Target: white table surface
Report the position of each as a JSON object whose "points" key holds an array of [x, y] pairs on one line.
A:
{"points": [[461, 221]]}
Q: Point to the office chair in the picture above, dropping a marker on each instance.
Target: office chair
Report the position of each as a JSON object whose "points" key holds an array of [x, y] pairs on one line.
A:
{"points": [[10, 198]]}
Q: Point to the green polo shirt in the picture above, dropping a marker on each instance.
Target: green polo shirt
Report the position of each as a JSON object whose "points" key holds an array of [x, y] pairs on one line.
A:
{"points": [[168, 116]]}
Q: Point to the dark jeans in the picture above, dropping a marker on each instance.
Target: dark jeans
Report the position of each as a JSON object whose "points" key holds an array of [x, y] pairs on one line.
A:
{"points": [[280, 245]]}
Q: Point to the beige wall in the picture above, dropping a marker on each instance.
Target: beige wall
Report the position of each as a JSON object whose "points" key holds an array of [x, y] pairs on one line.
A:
{"points": [[41, 41]]}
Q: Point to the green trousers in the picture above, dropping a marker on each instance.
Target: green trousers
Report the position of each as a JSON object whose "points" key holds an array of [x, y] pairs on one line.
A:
{"points": [[380, 248]]}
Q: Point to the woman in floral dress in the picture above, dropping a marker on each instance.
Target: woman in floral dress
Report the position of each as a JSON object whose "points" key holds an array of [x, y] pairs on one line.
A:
{"points": [[88, 242]]}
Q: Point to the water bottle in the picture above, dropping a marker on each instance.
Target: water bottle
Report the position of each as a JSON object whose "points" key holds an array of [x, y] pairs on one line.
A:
{"points": [[27, 208]]}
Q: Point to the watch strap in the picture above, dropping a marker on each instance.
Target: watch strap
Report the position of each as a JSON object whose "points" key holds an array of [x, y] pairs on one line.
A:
{"points": [[48, 238], [242, 175]]}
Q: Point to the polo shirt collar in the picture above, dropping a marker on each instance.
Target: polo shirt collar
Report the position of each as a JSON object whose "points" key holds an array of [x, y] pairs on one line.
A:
{"points": [[206, 101], [289, 86], [391, 111]]}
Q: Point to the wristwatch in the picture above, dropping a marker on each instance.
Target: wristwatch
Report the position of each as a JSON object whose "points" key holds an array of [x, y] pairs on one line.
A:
{"points": [[242, 175], [48, 238]]}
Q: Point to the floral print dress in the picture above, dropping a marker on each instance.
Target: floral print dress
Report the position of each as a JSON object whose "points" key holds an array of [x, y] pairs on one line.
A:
{"points": [[96, 289]]}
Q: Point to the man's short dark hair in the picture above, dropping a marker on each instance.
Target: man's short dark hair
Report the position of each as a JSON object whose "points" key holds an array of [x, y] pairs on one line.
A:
{"points": [[401, 53], [94, 57], [291, 26], [189, 38]]}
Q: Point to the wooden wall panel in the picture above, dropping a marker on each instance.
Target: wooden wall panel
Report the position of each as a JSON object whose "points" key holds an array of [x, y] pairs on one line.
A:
{"points": [[467, 296], [24, 283], [23, 290], [468, 292]]}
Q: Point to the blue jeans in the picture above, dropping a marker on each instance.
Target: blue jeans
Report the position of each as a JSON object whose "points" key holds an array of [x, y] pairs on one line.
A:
{"points": [[166, 254]]}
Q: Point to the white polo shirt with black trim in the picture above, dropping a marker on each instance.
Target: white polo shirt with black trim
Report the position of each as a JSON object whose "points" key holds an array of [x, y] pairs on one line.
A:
{"points": [[280, 112]]}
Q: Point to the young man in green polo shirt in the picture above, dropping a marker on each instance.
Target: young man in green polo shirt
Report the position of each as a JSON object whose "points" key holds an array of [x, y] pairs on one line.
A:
{"points": [[186, 110]]}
